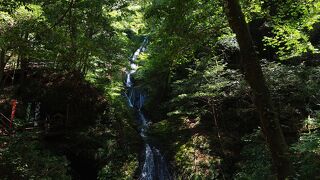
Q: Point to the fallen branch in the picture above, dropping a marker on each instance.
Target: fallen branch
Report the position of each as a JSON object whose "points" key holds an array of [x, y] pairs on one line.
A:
{"points": [[5, 117]]}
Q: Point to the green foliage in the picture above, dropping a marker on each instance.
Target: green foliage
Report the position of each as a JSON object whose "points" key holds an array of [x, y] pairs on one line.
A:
{"points": [[291, 21], [114, 170], [120, 140], [120, 150], [116, 144], [194, 160], [307, 149], [72, 35], [179, 32], [290, 41], [295, 86], [25, 158], [191, 154], [256, 162], [186, 77], [128, 18], [206, 84], [253, 9]]}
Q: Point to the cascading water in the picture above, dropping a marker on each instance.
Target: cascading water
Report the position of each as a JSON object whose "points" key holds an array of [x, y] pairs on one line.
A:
{"points": [[154, 166]]}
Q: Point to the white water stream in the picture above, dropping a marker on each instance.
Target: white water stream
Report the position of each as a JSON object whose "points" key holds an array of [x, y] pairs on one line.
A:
{"points": [[154, 165]]}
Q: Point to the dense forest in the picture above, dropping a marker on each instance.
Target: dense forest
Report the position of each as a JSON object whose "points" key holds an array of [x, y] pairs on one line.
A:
{"points": [[160, 89]]}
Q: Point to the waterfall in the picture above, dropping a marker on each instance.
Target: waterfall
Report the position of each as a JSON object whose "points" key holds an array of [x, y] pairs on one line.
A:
{"points": [[148, 166], [154, 165], [128, 82]]}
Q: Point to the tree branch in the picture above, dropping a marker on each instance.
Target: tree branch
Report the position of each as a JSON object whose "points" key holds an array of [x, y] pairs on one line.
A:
{"points": [[71, 4]]}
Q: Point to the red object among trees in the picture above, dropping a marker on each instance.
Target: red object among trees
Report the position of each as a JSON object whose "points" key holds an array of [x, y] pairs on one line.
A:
{"points": [[14, 103]]}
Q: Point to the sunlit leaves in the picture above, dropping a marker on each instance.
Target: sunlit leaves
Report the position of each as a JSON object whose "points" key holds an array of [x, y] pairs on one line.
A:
{"points": [[29, 12], [195, 154], [195, 94], [6, 22], [289, 41], [290, 21], [253, 9]]}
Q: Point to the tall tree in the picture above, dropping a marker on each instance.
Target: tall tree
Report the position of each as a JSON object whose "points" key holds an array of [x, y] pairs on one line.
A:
{"points": [[254, 76], [2, 64]]}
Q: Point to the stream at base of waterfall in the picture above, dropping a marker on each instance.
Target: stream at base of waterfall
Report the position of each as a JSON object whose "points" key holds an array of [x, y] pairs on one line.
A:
{"points": [[154, 165]]}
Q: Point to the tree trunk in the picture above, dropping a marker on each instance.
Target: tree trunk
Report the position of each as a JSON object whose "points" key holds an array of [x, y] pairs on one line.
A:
{"points": [[24, 60], [73, 35], [254, 76], [2, 64]]}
